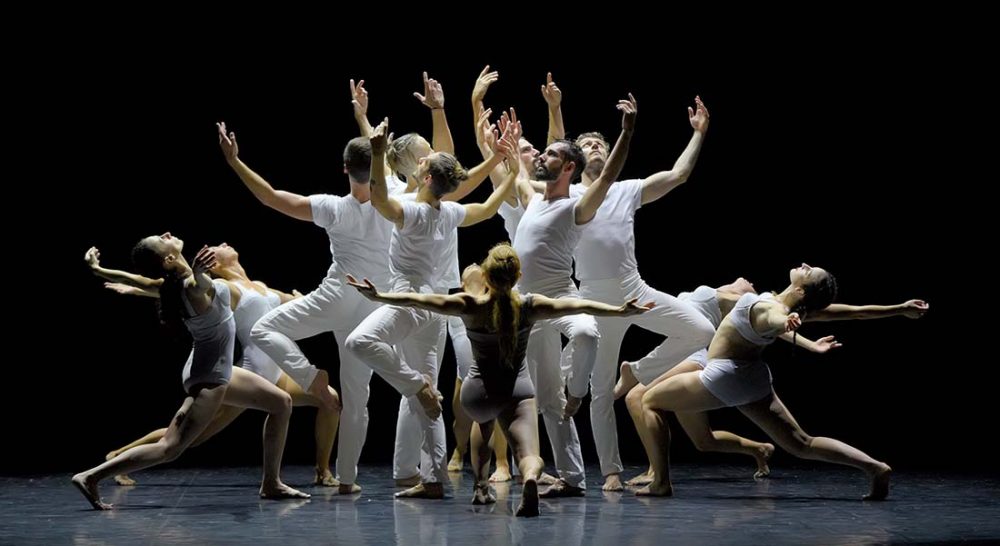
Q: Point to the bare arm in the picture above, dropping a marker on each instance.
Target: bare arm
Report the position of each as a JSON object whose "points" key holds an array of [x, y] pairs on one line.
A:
{"points": [[505, 147], [433, 98], [553, 98], [92, 257], [821, 345], [199, 284], [839, 311], [661, 183], [127, 290], [291, 204], [476, 176], [548, 308], [454, 304], [598, 190], [359, 100], [389, 208]]}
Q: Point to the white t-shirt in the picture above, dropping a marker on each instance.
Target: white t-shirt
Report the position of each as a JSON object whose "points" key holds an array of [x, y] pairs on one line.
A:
{"points": [[446, 273], [422, 243], [546, 237], [359, 235], [511, 218], [607, 246]]}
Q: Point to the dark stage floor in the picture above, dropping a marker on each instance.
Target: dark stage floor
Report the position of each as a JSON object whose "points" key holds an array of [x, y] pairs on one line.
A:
{"points": [[713, 504]]}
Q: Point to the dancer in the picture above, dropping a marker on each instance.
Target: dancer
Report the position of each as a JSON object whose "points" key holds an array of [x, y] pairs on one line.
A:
{"points": [[497, 388]]}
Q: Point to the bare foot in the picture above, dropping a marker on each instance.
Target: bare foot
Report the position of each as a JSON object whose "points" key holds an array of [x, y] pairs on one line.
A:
{"points": [[326, 479], [613, 482], [625, 382], [561, 489], [880, 483], [88, 487], [642, 479], [529, 500], [456, 462], [500, 475], [112, 455], [481, 494], [408, 482], [656, 489], [763, 455], [124, 479], [429, 399], [432, 490], [281, 491], [572, 406], [547, 479], [348, 488]]}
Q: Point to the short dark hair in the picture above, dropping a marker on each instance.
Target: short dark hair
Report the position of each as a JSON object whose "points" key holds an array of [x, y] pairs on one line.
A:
{"points": [[358, 159]]}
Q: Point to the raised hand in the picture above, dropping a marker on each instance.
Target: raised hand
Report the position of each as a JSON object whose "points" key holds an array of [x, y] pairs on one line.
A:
{"points": [[483, 82], [204, 260], [92, 257], [359, 98], [378, 139], [487, 131], [433, 96], [698, 116], [227, 142], [551, 92], [629, 109]]}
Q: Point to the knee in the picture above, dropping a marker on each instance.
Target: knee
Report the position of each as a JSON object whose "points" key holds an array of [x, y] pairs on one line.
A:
{"points": [[703, 332], [172, 450], [260, 332], [281, 406], [633, 400], [799, 444], [702, 442], [358, 344]]}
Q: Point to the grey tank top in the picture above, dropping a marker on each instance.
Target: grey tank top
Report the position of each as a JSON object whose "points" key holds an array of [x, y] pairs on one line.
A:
{"points": [[203, 326], [486, 348], [740, 318]]}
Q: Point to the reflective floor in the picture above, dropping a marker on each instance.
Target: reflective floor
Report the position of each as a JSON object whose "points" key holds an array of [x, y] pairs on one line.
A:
{"points": [[713, 504]]}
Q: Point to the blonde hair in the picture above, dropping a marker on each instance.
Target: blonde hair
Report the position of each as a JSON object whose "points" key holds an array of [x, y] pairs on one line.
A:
{"points": [[501, 269], [400, 155]]}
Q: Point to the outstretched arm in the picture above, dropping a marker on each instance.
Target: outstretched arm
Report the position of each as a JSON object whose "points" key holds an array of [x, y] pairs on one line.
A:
{"points": [[389, 208], [548, 308], [288, 203], [598, 190], [661, 183], [553, 98], [821, 345], [92, 257], [127, 290], [838, 311], [454, 304]]}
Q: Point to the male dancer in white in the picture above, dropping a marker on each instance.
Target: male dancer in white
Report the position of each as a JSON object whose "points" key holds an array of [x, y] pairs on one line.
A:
{"points": [[418, 243], [607, 270], [546, 237], [359, 242]]}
